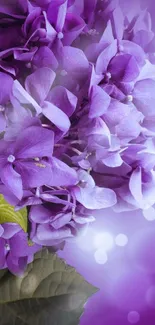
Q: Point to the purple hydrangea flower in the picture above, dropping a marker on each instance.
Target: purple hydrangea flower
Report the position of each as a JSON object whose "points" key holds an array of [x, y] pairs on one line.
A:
{"points": [[15, 252], [27, 162]]}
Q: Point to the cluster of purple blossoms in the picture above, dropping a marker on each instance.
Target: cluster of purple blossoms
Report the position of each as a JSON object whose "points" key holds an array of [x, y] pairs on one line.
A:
{"points": [[77, 113]]}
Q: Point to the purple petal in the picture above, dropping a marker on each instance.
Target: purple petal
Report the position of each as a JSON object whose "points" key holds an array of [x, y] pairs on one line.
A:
{"points": [[26, 56], [113, 160], [61, 174], [1, 230], [147, 71], [56, 13], [83, 219], [23, 97], [2, 122], [105, 57], [96, 198], [56, 116], [34, 142], [100, 101], [73, 27], [124, 68], [144, 96], [64, 99], [61, 220], [116, 112], [135, 185], [128, 128], [38, 84], [14, 9], [12, 180], [46, 235], [44, 57], [6, 83], [39, 214], [107, 37], [16, 265], [19, 245], [34, 174], [74, 61], [10, 229], [118, 23], [85, 179], [2, 254], [135, 50]]}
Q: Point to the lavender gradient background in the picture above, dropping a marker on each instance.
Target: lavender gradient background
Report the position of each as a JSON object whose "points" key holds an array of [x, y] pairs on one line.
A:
{"points": [[127, 280]]}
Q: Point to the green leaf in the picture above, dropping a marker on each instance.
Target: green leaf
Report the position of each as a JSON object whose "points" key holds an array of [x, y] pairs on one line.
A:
{"points": [[8, 214], [49, 293]]}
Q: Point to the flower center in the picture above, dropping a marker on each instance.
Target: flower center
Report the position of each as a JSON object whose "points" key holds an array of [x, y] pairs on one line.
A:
{"points": [[63, 73], [93, 32], [108, 76], [11, 158], [82, 183], [7, 247], [129, 98], [38, 192], [60, 35]]}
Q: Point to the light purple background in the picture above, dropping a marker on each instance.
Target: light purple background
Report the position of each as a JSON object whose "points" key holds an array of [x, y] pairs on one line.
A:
{"points": [[127, 280]]}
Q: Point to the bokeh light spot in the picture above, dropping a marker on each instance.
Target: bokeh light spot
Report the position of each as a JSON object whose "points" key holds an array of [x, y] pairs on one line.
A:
{"points": [[121, 240], [149, 214], [100, 256], [133, 317], [104, 241]]}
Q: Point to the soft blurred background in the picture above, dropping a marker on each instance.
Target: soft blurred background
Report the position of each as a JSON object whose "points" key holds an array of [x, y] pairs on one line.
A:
{"points": [[117, 255]]}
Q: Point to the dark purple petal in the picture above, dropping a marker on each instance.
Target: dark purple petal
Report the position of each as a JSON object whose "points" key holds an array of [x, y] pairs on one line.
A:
{"points": [[56, 13], [124, 67], [6, 83], [73, 27]]}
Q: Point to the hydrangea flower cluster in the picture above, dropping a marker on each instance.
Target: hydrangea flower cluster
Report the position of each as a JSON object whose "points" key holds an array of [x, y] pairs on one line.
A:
{"points": [[77, 94]]}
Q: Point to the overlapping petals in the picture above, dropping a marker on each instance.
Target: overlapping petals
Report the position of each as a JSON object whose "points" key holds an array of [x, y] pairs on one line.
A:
{"points": [[77, 113]]}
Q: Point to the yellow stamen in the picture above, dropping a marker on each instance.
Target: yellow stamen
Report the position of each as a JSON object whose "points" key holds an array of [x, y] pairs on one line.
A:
{"points": [[40, 165]]}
